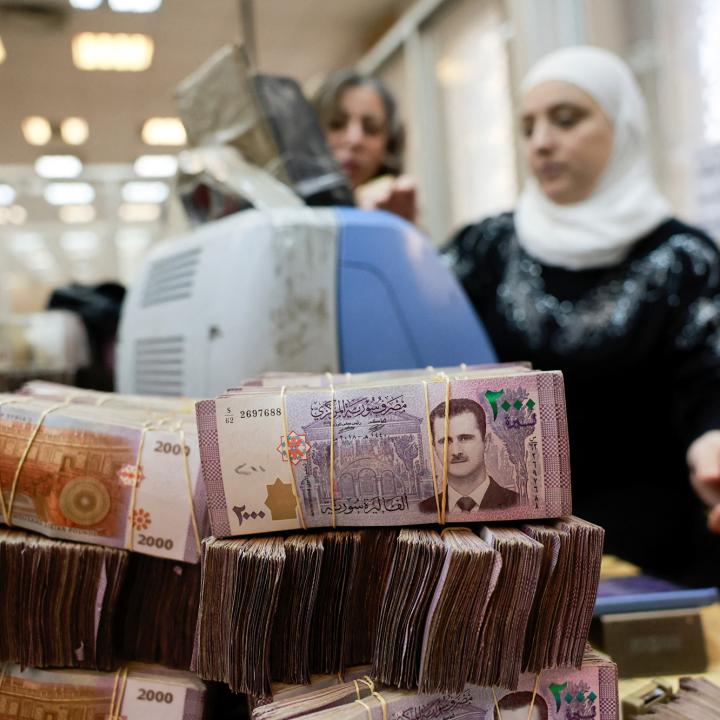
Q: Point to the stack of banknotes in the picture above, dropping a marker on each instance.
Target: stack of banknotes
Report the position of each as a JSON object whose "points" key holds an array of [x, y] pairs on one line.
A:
{"points": [[426, 609], [134, 692], [100, 468], [697, 699], [76, 605], [475, 444], [587, 693]]}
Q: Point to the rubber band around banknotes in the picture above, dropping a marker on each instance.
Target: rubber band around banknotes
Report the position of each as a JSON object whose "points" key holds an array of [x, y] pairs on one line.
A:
{"points": [[365, 681], [23, 457], [431, 452], [188, 480], [332, 454], [2, 496], [368, 709], [291, 469], [130, 533], [497, 707], [445, 450], [118, 694], [370, 682], [383, 704], [534, 695]]}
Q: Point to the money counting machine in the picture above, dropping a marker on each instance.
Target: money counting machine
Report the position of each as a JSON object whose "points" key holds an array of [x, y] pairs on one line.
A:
{"points": [[295, 288]]}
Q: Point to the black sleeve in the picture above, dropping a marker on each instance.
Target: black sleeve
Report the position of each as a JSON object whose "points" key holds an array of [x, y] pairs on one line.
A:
{"points": [[472, 254], [693, 336]]}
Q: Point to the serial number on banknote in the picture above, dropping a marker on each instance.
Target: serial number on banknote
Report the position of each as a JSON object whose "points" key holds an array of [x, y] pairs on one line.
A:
{"points": [[247, 414]]}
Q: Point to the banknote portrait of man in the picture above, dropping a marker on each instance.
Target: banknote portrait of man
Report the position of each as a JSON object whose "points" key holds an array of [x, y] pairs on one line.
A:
{"points": [[516, 706], [469, 485]]}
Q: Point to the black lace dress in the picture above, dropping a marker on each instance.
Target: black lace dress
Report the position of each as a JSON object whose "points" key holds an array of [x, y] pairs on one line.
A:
{"points": [[639, 346]]}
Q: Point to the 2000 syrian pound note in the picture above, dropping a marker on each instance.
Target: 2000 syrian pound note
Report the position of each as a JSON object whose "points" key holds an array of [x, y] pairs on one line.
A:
{"points": [[81, 480], [480, 449]]}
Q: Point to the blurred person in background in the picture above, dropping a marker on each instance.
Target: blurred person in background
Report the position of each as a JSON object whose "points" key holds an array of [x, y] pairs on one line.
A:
{"points": [[593, 276], [360, 119]]}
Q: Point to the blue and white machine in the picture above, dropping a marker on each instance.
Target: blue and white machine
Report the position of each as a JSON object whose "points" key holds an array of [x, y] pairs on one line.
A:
{"points": [[292, 289]]}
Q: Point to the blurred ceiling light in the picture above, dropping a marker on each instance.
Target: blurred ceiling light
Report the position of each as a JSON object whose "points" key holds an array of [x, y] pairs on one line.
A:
{"points": [[164, 131], [137, 6], [74, 130], [450, 71], [138, 191], [75, 193], [58, 166], [36, 130], [3, 54], [80, 244], [132, 239], [40, 261], [74, 214], [22, 243], [13, 215], [7, 195], [139, 212], [17, 214], [112, 51], [86, 4], [156, 166]]}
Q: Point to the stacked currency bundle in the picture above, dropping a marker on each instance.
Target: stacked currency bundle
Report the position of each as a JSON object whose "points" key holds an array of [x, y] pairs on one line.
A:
{"points": [[120, 476], [58, 602], [442, 609], [135, 692], [696, 699], [74, 605], [556, 694], [386, 449]]}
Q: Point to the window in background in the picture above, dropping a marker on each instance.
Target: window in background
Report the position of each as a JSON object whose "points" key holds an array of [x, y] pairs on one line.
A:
{"points": [[449, 71], [472, 74]]}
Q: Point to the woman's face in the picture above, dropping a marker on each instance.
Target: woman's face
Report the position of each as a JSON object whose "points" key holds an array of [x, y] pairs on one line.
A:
{"points": [[358, 133], [567, 138]]}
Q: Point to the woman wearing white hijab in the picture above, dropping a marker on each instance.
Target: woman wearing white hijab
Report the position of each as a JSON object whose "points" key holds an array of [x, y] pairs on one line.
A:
{"points": [[591, 275]]}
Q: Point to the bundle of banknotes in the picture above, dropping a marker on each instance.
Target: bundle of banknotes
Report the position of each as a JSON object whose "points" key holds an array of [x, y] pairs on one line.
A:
{"points": [[425, 609], [460, 445], [76, 605], [696, 699], [588, 692], [103, 469], [135, 692]]}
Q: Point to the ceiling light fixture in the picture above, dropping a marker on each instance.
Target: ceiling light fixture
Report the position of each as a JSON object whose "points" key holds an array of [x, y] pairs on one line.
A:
{"points": [[86, 4], [13, 215], [155, 166], [25, 242], [36, 130], [74, 130], [139, 191], [139, 212], [136, 6], [164, 131], [112, 51], [76, 214], [73, 193], [131, 240], [3, 54], [7, 195], [58, 166], [81, 244]]}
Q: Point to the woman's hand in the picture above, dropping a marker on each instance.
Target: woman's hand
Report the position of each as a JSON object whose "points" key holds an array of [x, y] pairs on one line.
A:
{"points": [[703, 458], [396, 195]]}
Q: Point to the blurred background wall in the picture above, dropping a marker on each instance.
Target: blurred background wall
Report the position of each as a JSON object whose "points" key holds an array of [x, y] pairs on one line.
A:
{"points": [[453, 64]]}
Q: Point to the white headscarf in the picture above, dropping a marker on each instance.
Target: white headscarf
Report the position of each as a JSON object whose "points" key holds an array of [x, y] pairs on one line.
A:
{"points": [[625, 204]]}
